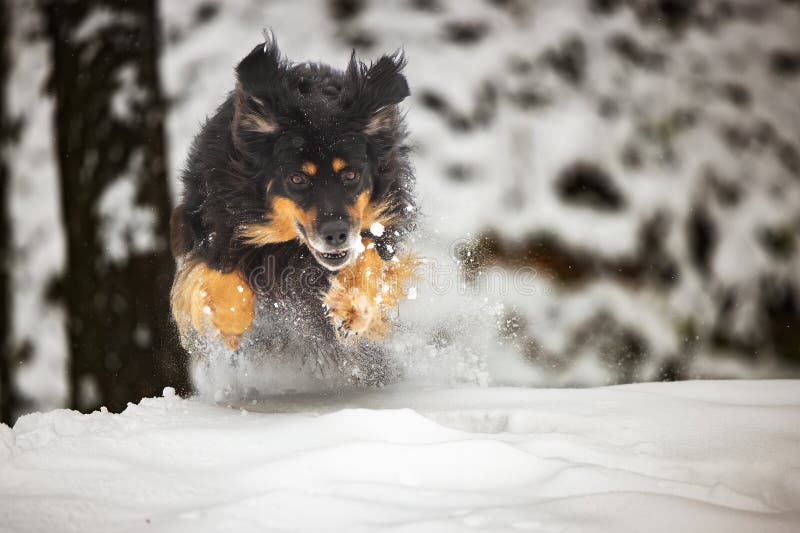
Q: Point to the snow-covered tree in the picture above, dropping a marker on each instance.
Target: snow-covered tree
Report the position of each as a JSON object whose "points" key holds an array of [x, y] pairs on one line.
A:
{"points": [[109, 114]]}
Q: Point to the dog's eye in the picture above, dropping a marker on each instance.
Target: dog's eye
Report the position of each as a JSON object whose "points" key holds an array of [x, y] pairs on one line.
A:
{"points": [[349, 175], [298, 178]]}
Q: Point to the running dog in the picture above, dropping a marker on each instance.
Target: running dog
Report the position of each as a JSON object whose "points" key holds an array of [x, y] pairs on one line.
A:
{"points": [[297, 199]]}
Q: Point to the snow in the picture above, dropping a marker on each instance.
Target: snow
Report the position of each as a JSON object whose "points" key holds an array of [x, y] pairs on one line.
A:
{"points": [[125, 225], [376, 229], [101, 19], [690, 456], [130, 96]]}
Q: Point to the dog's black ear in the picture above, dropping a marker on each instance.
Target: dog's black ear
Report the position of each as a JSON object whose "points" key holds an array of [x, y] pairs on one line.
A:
{"points": [[261, 92], [375, 91]]}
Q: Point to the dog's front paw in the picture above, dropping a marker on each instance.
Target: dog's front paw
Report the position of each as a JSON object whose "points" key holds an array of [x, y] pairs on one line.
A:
{"points": [[353, 313], [202, 296], [362, 293]]}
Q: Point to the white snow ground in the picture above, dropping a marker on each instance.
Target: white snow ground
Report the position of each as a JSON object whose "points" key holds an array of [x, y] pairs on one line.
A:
{"points": [[691, 456]]}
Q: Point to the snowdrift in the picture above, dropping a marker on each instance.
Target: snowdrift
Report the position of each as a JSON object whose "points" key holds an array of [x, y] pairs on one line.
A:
{"points": [[692, 456]]}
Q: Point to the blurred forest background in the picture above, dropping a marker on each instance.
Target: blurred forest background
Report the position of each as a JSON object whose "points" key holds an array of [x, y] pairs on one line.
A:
{"points": [[642, 157]]}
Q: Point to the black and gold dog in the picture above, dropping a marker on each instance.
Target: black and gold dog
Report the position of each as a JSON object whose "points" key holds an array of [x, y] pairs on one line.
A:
{"points": [[297, 198]]}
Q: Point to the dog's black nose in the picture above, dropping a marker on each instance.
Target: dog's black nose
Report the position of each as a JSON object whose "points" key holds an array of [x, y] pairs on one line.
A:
{"points": [[335, 232]]}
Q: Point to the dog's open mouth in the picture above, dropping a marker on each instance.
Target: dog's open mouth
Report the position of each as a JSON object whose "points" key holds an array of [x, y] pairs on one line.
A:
{"points": [[331, 260], [335, 256]]}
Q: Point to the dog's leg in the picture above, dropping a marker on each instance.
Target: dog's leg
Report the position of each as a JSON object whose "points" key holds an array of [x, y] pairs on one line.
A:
{"points": [[202, 296], [361, 294]]}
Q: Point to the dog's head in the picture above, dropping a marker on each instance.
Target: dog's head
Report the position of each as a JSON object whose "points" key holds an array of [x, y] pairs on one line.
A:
{"points": [[320, 140]]}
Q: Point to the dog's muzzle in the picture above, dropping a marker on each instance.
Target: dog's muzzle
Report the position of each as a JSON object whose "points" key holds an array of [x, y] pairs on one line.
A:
{"points": [[334, 244]]}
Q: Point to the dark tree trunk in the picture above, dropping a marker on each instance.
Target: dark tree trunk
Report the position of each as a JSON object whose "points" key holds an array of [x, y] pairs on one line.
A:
{"points": [[6, 392], [109, 121]]}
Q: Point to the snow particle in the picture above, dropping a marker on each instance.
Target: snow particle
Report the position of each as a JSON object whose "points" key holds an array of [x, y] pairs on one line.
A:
{"points": [[359, 247], [376, 229]]}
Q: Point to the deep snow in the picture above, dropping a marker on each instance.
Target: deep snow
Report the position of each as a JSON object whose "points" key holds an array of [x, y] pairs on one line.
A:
{"points": [[691, 456]]}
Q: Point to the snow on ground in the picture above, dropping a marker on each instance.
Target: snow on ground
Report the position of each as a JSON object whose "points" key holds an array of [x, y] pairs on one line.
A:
{"points": [[690, 456]]}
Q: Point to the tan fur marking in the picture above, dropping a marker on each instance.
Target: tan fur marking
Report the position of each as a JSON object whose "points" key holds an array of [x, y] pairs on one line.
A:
{"points": [[244, 118], [338, 164], [202, 296], [362, 294], [310, 168], [386, 118], [377, 213], [255, 122], [281, 225], [369, 213], [357, 211]]}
